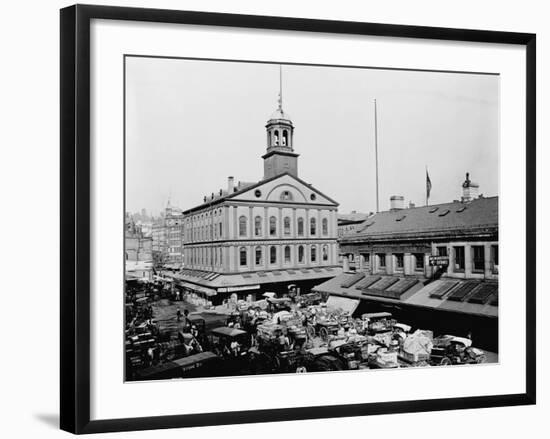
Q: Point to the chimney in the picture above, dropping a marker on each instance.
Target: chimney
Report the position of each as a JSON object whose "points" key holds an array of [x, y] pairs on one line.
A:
{"points": [[397, 202], [470, 189], [230, 185], [411, 205], [204, 199]]}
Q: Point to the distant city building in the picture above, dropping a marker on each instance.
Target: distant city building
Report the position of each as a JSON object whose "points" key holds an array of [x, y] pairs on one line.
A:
{"points": [[160, 247], [256, 237], [138, 252], [167, 233], [173, 221], [442, 257]]}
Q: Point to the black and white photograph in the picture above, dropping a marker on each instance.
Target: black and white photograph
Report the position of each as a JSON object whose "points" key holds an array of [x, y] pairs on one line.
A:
{"points": [[296, 218]]}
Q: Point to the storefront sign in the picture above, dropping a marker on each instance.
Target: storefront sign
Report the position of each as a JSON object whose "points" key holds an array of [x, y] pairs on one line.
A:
{"points": [[243, 288], [439, 261]]}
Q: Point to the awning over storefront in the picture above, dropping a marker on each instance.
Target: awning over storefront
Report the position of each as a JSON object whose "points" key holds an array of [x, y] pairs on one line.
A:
{"points": [[197, 288], [475, 297], [228, 283]]}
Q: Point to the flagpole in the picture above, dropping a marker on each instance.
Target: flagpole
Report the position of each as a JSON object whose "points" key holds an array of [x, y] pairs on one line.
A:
{"points": [[376, 154]]}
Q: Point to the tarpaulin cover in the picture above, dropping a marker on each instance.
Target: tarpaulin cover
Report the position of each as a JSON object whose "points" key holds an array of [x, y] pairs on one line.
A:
{"points": [[420, 342], [343, 304]]}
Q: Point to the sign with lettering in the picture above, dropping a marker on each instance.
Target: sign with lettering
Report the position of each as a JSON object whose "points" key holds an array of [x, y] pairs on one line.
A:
{"points": [[439, 261], [243, 288]]}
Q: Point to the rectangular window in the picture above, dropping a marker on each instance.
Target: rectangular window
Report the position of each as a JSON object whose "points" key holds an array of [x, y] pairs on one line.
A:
{"points": [[399, 261], [381, 260], [478, 256], [418, 261], [494, 258], [442, 251], [458, 258], [242, 257]]}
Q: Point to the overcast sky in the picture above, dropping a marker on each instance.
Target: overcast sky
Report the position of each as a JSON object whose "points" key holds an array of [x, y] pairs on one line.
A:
{"points": [[192, 123]]}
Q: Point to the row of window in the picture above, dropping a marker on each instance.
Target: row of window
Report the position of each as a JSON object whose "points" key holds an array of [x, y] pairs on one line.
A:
{"points": [[399, 260], [213, 256], [205, 233], [205, 256], [458, 260], [243, 226], [477, 257], [287, 258]]}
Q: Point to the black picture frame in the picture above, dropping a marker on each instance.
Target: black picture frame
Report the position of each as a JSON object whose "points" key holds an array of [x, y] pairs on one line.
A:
{"points": [[75, 217]]}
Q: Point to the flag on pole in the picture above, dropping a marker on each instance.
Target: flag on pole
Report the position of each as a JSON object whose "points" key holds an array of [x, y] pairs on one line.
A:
{"points": [[428, 186]]}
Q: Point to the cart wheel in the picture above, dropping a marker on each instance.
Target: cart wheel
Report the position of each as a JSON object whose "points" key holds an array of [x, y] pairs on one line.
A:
{"points": [[310, 330], [301, 369], [323, 332], [445, 361]]}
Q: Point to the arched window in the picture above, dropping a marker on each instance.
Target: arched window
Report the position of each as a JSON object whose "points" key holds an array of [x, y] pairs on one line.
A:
{"points": [[258, 255], [272, 255], [220, 229], [286, 196], [312, 226], [242, 257], [257, 226], [325, 253], [301, 254], [313, 253], [285, 138], [286, 225], [324, 226], [242, 225], [287, 254], [272, 226], [300, 227], [276, 137]]}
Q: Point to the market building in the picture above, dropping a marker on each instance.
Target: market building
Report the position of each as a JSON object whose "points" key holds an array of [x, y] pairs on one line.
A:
{"points": [[435, 266], [349, 222], [250, 238]]}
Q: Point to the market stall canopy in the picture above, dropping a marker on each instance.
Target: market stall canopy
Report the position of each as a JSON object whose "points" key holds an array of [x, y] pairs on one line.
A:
{"points": [[342, 303]]}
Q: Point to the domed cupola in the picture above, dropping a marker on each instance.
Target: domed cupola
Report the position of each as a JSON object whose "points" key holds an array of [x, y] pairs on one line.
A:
{"points": [[280, 156]]}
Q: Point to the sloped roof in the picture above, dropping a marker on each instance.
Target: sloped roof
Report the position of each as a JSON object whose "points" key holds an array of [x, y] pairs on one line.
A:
{"points": [[245, 186], [418, 295], [447, 217]]}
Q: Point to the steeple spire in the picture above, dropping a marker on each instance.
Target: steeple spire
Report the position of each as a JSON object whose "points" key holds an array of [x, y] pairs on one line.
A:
{"points": [[280, 156], [281, 88]]}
